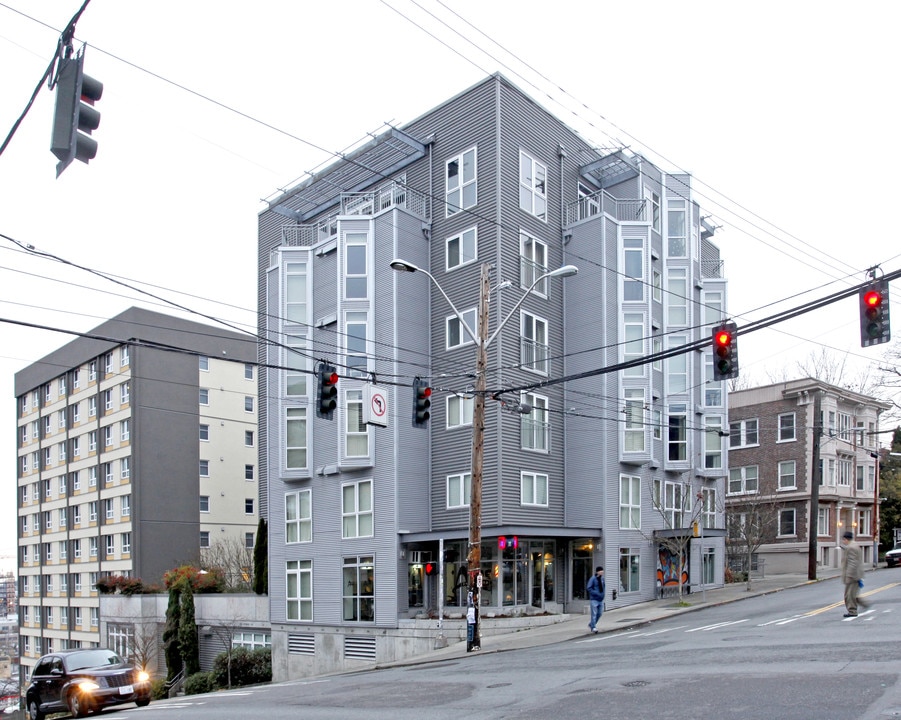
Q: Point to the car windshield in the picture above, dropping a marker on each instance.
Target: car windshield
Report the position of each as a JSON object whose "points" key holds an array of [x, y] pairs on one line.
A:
{"points": [[92, 659]]}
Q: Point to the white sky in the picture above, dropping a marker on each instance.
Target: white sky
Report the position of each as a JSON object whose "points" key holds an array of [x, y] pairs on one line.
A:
{"points": [[785, 113]]}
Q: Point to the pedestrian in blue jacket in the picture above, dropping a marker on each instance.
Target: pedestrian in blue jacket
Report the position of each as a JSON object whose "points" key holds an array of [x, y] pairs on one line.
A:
{"points": [[597, 588]]}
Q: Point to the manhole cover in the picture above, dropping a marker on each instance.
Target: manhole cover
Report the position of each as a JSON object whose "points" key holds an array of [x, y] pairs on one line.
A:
{"points": [[637, 683]]}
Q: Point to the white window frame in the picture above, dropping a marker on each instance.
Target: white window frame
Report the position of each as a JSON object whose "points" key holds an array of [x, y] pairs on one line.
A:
{"points": [[713, 442], [741, 433], [533, 182], [675, 208], [296, 438], [356, 510], [533, 489], [535, 429], [780, 430], [634, 426], [459, 410], [532, 263], [633, 345], [359, 243], [630, 282], [794, 520], [747, 478], [459, 490], [357, 349], [629, 502], [299, 590], [535, 344], [677, 297], [461, 192], [296, 304], [356, 432], [465, 246], [299, 517], [454, 329]]}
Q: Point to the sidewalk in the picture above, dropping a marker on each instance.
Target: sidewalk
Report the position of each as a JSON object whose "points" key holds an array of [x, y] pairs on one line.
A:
{"points": [[619, 618]]}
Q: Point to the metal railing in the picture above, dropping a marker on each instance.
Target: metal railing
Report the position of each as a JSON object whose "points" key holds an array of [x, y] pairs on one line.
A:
{"points": [[603, 202]]}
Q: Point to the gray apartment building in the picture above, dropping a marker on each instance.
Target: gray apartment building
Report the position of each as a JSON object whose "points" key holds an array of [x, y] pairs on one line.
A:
{"points": [[785, 437], [137, 448], [609, 459]]}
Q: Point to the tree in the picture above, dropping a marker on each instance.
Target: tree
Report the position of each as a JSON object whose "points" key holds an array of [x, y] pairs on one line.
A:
{"points": [[890, 492], [750, 523], [232, 559], [187, 633], [261, 559], [171, 642]]}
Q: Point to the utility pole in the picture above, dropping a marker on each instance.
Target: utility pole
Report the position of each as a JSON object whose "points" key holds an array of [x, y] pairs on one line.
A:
{"points": [[816, 478], [474, 564]]}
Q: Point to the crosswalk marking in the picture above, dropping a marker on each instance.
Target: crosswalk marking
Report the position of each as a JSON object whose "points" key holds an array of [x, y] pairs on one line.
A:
{"points": [[706, 628]]}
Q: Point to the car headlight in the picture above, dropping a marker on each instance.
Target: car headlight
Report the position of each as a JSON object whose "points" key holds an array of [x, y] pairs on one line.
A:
{"points": [[143, 676], [88, 686]]}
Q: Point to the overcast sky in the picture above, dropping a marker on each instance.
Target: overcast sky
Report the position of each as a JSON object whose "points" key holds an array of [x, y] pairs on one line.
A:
{"points": [[785, 112]]}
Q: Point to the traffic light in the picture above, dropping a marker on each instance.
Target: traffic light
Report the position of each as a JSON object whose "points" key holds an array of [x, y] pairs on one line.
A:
{"points": [[430, 568], [74, 114], [422, 394], [874, 314], [328, 391], [725, 351]]}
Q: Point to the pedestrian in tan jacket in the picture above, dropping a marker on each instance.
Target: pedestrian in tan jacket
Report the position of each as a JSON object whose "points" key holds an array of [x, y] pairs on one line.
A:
{"points": [[852, 574]]}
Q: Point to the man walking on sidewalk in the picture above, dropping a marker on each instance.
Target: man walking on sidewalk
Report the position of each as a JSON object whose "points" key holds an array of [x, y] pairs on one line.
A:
{"points": [[852, 573], [597, 589]]}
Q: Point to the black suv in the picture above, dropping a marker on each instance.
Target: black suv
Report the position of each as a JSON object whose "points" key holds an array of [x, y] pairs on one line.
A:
{"points": [[82, 681]]}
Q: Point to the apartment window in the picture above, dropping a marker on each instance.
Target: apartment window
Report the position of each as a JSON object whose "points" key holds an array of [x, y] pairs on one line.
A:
{"points": [[787, 479], [61, 419], [677, 297], [92, 476], [248, 403], [673, 504], [677, 367], [864, 522], [356, 433], [78, 618], [61, 452], [534, 427], [204, 538], [204, 503], [457, 334], [634, 427], [248, 506], [92, 547], [629, 502], [297, 364], [356, 509], [633, 343], [633, 271], [62, 518], [713, 389], [76, 447], [532, 186], [123, 356], [461, 182], [204, 396], [786, 427], [787, 523], [76, 515], [533, 263], [204, 468], [92, 407], [459, 410], [677, 435], [48, 490], [76, 412], [461, 249], [108, 363], [844, 470], [356, 333], [708, 508], [459, 490], [629, 569], [204, 433], [248, 472], [676, 229], [203, 363], [355, 266], [535, 353], [299, 590], [296, 293], [110, 545], [248, 438], [299, 517], [358, 584], [108, 436], [109, 509], [713, 443], [533, 489], [48, 520], [657, 285], [743, 433], [248, 540], [248, 371], [296, 438], [743, 480], [126, 506], [108, 473]]}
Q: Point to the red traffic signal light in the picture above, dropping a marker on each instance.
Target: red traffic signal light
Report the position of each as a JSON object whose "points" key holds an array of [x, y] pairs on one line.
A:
{"points": [[328, 391], [725, 351], [874, 314], [430, 568], [422, 402]]}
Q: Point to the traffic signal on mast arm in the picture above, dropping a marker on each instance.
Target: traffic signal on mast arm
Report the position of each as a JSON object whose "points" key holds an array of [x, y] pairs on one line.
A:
{"points": [[725, 351], [328, 391], [431, 568], [422, 401], [874, 314], [74, 115]]}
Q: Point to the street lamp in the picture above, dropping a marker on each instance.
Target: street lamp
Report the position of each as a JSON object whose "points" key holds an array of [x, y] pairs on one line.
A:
{"points": [[482, 341]]}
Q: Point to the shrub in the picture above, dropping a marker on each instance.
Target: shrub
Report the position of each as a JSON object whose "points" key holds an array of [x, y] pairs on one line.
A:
{"points": [[249, 667], [201, 581], [158, 689], [202, 682]]}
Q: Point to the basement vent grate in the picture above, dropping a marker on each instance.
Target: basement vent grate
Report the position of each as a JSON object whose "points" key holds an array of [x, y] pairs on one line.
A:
{"points": [[301, 645], [359, 648]]}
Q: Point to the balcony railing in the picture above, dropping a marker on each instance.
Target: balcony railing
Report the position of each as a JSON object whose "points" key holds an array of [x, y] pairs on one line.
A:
{"points": [[536, 356], [603, 202]]}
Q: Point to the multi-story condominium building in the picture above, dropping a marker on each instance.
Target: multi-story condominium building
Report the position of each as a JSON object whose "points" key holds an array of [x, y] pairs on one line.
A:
{"points": [[136, 448], [785, 437], [609, 461]]}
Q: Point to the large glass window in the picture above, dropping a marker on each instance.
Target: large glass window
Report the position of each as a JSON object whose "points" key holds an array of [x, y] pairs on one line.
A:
{"points": [[356, 329], [355, 264], [713, 443], [629, 569], [633, 343], [462, 248], [677, 367], [535, 354], [296, 293], [359, 589], [297, 362], [787, 523], [633, 270], [676, 229], [787, 479], [299, 590], [743, 433], [677, 437], [461, 186], [295, 438], [299, 516], [459, 410], [356, 509], [634, 428], [786, 427], [457, 335], [535, 426], [677, 297], [674, 504], [532, 186], [357, 433], [534, 489], [630, 502], [459, 490], [743, 480], [533, 263]]}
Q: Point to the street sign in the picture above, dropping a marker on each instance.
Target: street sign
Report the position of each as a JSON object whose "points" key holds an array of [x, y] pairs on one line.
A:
{"points": [[375, 406]]}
